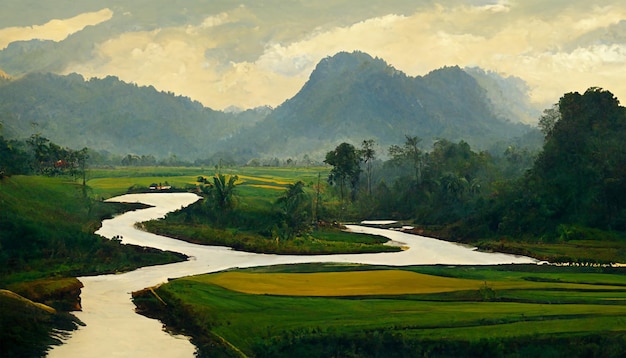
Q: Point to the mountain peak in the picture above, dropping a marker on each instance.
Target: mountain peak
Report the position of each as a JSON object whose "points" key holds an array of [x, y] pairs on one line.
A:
{"points": [[344, 63]]}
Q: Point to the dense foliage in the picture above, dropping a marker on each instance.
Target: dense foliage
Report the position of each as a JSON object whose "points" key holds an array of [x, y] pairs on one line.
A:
{"points": [[38, 155], [573, 189], [578, 180], [434, 187]]}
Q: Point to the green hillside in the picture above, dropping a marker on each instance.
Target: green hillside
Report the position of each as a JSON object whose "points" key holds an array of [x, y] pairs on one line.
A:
{"points": [[352, 96], [116, 117], [47, 231], [349, 97]]}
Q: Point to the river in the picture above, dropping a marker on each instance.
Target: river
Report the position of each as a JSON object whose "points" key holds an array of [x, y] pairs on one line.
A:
{"points": [[113, 329]]}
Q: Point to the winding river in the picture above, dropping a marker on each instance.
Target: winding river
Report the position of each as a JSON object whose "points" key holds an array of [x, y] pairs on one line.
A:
{"points": [[113, 329]]}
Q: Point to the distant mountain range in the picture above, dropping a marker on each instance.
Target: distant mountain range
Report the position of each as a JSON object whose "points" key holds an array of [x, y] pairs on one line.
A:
{"points": [[348, 97]]}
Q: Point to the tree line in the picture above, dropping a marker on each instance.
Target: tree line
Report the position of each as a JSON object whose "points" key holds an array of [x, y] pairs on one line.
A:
{"points": [[38, 155], [577, 181]]}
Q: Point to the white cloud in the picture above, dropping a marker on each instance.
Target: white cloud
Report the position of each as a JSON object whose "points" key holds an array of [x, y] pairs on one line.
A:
{"points": [[499, 6], [213, 21], [55, 30]]}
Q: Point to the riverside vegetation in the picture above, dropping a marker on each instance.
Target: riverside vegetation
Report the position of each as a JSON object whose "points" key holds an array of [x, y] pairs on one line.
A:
{"points": [[46, 238], [516, 203], [562, 204]]}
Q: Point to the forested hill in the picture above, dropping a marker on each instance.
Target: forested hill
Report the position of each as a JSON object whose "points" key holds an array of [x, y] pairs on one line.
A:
{"points": [[121, 118], [352, 96], [349, 97]]}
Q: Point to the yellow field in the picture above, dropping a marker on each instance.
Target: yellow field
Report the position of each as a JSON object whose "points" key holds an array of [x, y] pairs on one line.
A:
{"points": [[117, 186], [262, 179], [361, 283], [263, 186], [384, 282]]}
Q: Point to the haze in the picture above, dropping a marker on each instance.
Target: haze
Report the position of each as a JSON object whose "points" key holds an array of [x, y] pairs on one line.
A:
{"points": [[252, 53]]}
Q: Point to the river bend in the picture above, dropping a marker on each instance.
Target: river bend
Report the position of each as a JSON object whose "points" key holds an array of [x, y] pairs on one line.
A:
{"points": [[113, 329]]}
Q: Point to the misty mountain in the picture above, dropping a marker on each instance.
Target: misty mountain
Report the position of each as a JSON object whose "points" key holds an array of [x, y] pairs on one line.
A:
{"points": [[508, 95], [352, 97], [114, 116], [348, 97]]}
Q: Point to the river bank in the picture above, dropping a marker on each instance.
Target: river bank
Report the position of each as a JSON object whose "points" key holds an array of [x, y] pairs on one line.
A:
{"points": [[113, 328], [373, 311]]}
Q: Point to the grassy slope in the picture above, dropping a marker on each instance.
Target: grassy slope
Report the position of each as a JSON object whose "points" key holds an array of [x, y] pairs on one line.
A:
{"points": [[505, 305], [48, 231], [25, 326], [46, 234]]}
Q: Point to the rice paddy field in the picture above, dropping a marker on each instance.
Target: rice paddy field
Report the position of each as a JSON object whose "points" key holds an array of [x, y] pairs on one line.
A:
{"points": [[254, 182], [348, 310]]}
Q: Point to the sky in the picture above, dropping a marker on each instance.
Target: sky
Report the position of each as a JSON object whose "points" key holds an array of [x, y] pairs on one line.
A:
{"points": [[252, 53]]}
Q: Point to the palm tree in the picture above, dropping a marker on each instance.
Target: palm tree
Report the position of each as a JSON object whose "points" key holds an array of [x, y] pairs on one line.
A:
{"points": [[292, 208], [223, 191]]}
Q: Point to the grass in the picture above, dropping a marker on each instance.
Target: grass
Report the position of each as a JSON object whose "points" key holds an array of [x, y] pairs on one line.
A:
{"points": [[285, 311], [379, 282], [574, 251], [25, 326], [253, 242], [115, 181], [46, 237], [253, 229], [47, 231]]}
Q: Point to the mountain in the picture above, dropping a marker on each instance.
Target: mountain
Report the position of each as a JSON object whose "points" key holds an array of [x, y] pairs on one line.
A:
{"points": [[352, 97], [508, 95], [114, 116], [348, 97]]}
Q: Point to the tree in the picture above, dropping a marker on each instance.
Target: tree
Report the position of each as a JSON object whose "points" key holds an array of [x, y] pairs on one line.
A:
{"points": [[368, 154], [39, 146], [548, 119], [223, 191], [409, 153], [81, 167], [580, 172], [346, 161], [293, 209]]}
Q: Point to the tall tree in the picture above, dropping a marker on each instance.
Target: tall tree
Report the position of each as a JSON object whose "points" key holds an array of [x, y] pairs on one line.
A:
{"points": [[580, 173], [368, 153], [346, 161], [410, 153], [548, 119]]}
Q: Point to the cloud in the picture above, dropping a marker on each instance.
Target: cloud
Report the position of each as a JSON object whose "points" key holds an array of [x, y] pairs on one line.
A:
{"points": [[236, 58], [55, 30]]}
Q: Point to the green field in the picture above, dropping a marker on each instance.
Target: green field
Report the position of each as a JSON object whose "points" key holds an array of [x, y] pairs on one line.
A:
{"points": [[414, 311], [252, 219], [254, 181], [47, 236], [48, 229]]}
